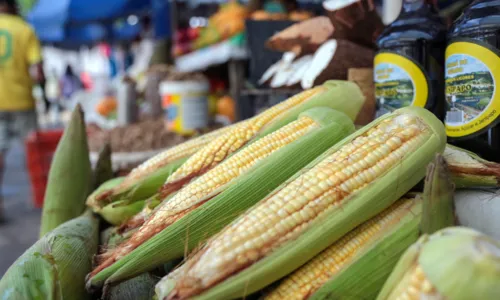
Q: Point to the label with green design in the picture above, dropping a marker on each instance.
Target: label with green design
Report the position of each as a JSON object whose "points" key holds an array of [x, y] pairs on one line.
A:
{"points": [[471, 97], [399, 82]]}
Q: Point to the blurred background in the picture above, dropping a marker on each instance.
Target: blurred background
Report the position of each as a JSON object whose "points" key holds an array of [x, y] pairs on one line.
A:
{"points": [[128, 62]]}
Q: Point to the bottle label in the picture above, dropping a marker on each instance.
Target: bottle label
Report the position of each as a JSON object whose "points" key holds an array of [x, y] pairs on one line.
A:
{"points": [[399, 82], [473, 102]]}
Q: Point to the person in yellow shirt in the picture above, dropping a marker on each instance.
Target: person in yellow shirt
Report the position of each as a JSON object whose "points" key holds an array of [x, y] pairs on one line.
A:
{"points": [[20, 68]]}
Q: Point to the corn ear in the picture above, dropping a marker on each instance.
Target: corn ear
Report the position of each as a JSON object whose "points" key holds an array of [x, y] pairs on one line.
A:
{"points": [[438, 193], [138, 219], [353, 267], [245, 191], [140, 177], [454, 264], [107, 185], [55, 266], [103, 170], [371, 251], [331, 95], [140, 190], [70, 176], [469, 170], [118, 212], [137, 288], [207, 276]]}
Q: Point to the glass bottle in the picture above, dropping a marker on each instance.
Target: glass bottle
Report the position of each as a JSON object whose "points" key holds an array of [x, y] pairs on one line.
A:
{"points": [[472, 80], [409, 65]]}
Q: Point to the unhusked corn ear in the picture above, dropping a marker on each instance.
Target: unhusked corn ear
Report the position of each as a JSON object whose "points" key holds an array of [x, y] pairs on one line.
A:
{"points": [[397, 222], [70, 176], [349, 184], [152, 166], [452, 264], [234, 197], [55, 266], [212, 183], [469, 170]]}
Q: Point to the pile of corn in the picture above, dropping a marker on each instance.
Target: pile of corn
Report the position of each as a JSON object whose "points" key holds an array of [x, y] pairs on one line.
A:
{"points": [[291, 204]]}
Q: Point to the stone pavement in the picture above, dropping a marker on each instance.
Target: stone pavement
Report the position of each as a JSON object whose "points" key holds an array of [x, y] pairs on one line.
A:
{"points": [[23, 221]]}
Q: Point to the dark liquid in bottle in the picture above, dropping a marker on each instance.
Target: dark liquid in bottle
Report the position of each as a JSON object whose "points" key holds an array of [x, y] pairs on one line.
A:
{"points": [[473, 80], [410, 62]]}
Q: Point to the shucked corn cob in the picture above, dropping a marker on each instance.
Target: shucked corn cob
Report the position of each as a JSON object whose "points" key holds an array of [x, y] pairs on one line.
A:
{"points": [[452, 264], [153, 166], [397, 224], [220, 177], [350, 183]]}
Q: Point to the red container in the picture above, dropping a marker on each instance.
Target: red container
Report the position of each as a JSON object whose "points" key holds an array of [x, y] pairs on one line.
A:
{"points": [[40, 147]]}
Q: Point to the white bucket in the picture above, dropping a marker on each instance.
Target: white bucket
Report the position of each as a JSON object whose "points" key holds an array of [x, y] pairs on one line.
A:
{"points": [[185, 104]]}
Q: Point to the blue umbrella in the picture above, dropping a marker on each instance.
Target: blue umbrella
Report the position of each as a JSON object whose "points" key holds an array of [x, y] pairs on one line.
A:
{"points": [[63, 20]]}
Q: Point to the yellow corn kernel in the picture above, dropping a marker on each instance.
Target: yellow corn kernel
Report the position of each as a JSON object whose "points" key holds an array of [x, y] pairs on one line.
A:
{"points": [[205, 186], [287, 213], [416, 286], [233, 140], [162, 159], [309, 278]]}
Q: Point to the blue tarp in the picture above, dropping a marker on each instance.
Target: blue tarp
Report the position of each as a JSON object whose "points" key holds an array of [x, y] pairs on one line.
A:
{"points": [[84, 21]]}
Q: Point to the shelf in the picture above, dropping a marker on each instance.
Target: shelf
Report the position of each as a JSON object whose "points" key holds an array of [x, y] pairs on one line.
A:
{"points": [[267, 92], [210, 56]]}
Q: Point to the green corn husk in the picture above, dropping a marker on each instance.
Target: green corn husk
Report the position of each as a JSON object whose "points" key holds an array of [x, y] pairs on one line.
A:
{"points": [[138, 288], [458, 263], [104, 167], [55, 266], [335, 91], [142, 190], [70, 176], [119, 212], [363, 273], [469, 170], [438, 194], [243, 192], [329, 227], [333, 96]]}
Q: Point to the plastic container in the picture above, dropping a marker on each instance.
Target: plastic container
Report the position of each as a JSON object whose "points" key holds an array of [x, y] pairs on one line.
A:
{"points": [[40, 147], [185, 104]]}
